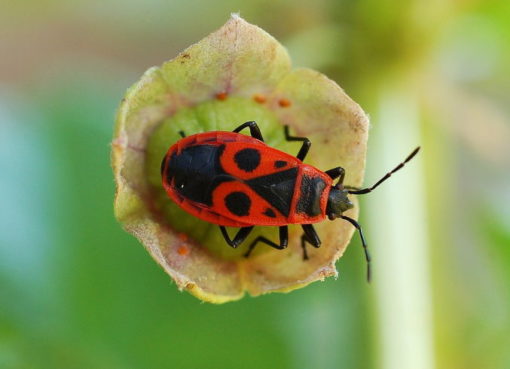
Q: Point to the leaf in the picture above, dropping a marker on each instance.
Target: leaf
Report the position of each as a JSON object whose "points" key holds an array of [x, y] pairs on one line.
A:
{"points": [[238, 73]]}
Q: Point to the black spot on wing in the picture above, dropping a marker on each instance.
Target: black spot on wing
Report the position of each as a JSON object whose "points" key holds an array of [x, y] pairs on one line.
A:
{"points": [[238, 203], [277, 188], [247, 159], [311, 191], [270, 213], [280, 163]]}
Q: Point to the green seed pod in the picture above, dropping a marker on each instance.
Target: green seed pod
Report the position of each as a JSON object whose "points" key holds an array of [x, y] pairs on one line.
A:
{"points": [[237, 74]]}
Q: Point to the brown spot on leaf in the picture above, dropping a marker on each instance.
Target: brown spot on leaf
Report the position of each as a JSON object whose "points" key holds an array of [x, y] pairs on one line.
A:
{"points": [[221, 96], [259, 98], [183, 250], [183, 57], [284, 103]]}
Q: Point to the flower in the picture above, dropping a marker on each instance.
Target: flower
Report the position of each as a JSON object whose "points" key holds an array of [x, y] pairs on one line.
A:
{"points": [[237, 74]]}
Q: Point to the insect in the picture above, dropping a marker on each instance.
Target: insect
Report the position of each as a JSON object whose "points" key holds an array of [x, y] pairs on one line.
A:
{"points": [[234, 180]]}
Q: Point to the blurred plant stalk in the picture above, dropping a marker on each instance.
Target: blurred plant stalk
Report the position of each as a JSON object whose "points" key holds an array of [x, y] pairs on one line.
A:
{"points": [[396, 214]]}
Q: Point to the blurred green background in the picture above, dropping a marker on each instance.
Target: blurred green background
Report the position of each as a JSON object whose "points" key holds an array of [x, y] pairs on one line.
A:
{"points": [[78, 292]]}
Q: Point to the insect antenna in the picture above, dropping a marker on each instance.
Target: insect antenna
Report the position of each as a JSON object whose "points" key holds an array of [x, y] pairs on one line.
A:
{"points": [[388, 175], [363, 243]]}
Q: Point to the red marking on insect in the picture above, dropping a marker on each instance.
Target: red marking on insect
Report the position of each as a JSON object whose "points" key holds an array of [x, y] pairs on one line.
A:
{"points": [[284, 103], [230, 179], [221, 96], [261, 99]]}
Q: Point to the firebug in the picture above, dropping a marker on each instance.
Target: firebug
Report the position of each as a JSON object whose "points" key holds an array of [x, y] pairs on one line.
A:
{"points": [[234, 180]]}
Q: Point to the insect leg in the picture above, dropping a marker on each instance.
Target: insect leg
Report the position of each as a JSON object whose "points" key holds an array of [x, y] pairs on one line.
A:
{"points": [[304, 240], [363, 243], [335, 173], [304, 148], [284, 240], [238, 238], [254, 130], [309, 236], [182, 134]]}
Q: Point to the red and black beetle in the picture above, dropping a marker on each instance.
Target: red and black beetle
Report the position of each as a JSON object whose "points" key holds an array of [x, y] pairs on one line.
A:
{"points": [[234, 180]]}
